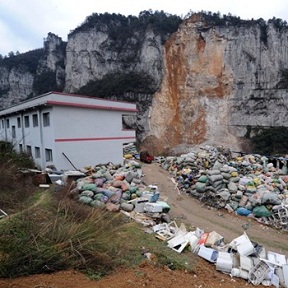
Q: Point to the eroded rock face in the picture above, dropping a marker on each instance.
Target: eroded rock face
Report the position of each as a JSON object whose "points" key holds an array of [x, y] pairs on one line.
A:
{"points": [[93, 54], [218, 82], [15, 85], [215, 84], [54, 59]]}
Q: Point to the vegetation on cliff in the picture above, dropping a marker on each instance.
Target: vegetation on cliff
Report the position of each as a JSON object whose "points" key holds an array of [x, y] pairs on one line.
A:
{"points": [[117, 84], [271, 141], [120, 27], [27, 61]]}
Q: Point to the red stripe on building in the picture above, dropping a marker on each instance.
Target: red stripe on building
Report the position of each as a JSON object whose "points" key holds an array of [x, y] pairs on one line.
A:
{"points": [[92, 139], [70, 104]]}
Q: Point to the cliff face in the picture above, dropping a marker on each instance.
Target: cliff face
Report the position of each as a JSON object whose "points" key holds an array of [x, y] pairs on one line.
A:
{"points": [[15, 84], [215, 84], [220, 85], [93, 54]]}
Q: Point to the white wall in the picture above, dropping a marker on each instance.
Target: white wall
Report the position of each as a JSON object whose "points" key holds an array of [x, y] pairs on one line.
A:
{"points": [[89, 131], [79, 133]]}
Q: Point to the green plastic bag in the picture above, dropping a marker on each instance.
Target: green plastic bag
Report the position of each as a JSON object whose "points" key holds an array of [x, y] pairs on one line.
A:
{"points": [[261, 211]]}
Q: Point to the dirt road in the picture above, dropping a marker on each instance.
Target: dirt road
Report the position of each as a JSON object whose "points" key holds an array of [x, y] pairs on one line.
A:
{"points": [[196, 214]]}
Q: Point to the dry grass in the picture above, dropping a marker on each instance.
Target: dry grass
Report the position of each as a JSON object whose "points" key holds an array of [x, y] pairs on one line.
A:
{"points": [[56, 232], [15, 188]]}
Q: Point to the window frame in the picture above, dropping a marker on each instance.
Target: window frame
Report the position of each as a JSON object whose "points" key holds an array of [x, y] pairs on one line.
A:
{"points": [[46, 119], [37, 152], [48, 155], [26, 121], [35, 120], [29, 150], [18, 122], [13, 131]]}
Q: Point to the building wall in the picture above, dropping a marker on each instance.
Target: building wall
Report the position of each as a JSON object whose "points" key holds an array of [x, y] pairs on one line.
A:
{"points": [[89, 136], [88, 131], [30, 135]]}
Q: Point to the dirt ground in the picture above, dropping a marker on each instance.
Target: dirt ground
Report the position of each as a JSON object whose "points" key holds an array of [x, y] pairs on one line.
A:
{"points": [[194, 214]]}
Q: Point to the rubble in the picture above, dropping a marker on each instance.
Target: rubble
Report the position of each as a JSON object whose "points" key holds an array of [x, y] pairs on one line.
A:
{"points": [[130, 151], [247, 185], [120, 188]]}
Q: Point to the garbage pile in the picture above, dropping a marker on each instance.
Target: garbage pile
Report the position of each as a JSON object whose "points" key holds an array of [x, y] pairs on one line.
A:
{"points": [[130, 151], [119, 188], [247, 185], [240, 258]]}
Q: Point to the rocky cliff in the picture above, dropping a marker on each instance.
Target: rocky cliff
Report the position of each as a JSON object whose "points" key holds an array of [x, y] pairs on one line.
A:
{"points": [[222, 84], [204, 83]]}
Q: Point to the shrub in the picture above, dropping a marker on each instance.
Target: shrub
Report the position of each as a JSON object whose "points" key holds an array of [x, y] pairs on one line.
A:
{"points": [[15, 188], [114, 84], [9, 155], [272, 141], [59, 233]]}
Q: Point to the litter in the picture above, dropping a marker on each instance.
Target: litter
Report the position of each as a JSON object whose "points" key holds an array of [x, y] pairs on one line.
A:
{"points": [[208, 253], [258, 273], [3, 214], [243, 245], [224, 262]]}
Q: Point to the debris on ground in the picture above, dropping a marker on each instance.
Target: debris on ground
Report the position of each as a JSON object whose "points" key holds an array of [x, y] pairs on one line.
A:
{"points": [[3, 214], [145, 157], [130, 151], [247, 185], [240, 258], [120, 188]]}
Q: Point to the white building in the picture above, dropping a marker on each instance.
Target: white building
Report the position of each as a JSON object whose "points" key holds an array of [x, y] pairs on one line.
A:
{"points": [[68, 131]]}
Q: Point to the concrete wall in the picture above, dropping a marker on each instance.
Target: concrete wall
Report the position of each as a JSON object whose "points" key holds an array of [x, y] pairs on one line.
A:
{"points": [[88, 131], [89, 136]]}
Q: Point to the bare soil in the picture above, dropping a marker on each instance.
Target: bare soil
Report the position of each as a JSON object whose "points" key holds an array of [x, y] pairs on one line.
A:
{"points": [[193, 214]]}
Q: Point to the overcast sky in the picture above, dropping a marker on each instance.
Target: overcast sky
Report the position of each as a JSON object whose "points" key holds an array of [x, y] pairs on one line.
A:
{"points": [[25, 23]]}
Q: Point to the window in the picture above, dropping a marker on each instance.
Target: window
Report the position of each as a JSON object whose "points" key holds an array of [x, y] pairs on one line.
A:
{"points": [[13, 131], [128, 121], [26, 121], [20, 148], [3, 123], [18, 122], [35, 120], [48, 155], [29, 150], [37, 152], [7, 123], [46, 119]]}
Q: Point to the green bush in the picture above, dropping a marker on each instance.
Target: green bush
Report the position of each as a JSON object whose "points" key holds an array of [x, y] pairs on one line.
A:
{"points": [[45, 82], [114, 84], [9, 155], [15, 188], [272, 141], [28, 60]]}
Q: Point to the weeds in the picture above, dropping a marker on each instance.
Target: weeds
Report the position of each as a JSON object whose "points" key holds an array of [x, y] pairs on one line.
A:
{"points": [[55, 233], [15, 188]]}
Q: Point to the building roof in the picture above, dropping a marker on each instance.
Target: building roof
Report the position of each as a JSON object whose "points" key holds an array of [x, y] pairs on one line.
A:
{"points": [[70, 100]]}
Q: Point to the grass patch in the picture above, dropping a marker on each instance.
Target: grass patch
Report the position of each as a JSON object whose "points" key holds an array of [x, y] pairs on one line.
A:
{"points": [[58, 233], [134, 242], [47, 231]]}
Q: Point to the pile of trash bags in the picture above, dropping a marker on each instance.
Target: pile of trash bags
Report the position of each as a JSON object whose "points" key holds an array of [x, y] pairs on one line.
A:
{"points": [[118, 188], [248, 185]]}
